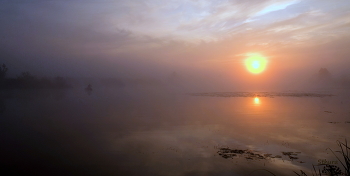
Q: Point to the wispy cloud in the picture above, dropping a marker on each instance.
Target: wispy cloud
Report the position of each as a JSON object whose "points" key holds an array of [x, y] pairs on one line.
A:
{"points": [[171, 32]]}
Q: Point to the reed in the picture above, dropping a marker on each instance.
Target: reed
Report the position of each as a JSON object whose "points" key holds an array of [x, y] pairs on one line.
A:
{"points": [[332, 170], [345, 154]]}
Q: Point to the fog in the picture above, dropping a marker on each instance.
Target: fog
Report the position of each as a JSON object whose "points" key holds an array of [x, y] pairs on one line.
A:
{"points": [[155, 87], [122, 39]]}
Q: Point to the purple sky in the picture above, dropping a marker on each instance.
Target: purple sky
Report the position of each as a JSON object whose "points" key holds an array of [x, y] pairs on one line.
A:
{"points": [[123, 38]]}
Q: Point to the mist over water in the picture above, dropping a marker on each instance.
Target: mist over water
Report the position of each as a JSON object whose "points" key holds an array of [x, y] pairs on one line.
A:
{"points": [[127, 87], [160, 131]]}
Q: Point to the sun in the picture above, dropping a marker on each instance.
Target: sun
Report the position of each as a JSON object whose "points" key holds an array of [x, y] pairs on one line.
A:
{"points": [[256, 64]]}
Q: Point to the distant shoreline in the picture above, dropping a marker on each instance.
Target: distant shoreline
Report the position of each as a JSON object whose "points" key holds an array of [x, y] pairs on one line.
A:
{"points": [[261, 94]]}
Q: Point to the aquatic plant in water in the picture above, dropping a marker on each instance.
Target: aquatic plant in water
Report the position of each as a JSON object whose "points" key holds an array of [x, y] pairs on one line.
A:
{"points": [[333, 170]]}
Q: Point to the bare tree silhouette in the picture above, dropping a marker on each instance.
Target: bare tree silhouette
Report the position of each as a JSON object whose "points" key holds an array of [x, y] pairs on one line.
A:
{"points": [[3, 70]]}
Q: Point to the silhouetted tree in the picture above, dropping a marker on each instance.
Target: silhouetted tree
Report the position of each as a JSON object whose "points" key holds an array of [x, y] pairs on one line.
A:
{"points": [[59, 82], [173, 77], [45, 83], [112, 82], [89, 88], [3, 70], [323, 73], [344, 81], [27, 81]]}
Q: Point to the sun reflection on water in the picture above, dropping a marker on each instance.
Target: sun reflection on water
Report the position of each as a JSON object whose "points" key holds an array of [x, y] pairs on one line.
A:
{"points": [[256, 101]]}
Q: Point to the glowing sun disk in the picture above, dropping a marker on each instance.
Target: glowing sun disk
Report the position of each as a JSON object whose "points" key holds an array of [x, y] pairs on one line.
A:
{"points": [[256, 64]]}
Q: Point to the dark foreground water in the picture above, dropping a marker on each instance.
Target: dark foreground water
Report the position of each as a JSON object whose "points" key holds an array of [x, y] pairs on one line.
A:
{"points": [[156, 132]]}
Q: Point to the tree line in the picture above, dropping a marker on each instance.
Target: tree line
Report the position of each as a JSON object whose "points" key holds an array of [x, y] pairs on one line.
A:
{"points": [[28, 81]]}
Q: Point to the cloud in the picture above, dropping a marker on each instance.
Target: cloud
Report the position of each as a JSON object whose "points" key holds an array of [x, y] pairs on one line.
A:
{"points": [[167, 35]]}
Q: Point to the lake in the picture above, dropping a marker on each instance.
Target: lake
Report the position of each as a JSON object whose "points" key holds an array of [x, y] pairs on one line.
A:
{"points": [[158, 132]]}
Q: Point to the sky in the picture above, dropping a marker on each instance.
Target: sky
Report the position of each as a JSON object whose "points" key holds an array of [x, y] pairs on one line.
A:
{"points": [[197, 39]]}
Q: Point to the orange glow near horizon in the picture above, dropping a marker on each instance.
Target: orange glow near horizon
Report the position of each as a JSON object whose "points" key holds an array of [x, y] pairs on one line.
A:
{"points": [[256, 64]]}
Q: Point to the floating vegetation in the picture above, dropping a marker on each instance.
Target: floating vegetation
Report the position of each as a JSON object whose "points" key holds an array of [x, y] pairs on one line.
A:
{"points": [[226, 153], [261, 94], [338, 122], [278, 156], [229, 153], [291, 155]]}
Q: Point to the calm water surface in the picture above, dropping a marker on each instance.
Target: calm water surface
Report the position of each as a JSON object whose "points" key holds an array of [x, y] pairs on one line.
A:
{"points": [[154, 132]]}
